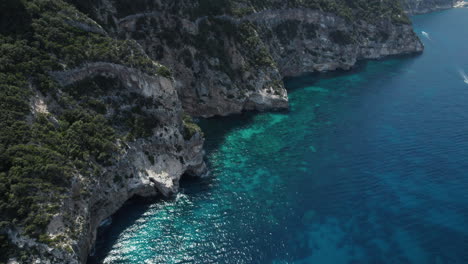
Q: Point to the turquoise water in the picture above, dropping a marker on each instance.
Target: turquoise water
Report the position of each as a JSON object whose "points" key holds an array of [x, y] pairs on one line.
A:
{"points": [[369, 166]]}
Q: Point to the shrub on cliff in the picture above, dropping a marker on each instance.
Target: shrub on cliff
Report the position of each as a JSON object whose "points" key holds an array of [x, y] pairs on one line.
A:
{"points": [[41, 151]]}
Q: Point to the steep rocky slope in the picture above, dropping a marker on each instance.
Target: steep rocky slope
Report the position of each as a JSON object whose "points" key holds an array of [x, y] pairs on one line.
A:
{"points": [[231, 56], [426, 6], [87, 122], [91, 117]]}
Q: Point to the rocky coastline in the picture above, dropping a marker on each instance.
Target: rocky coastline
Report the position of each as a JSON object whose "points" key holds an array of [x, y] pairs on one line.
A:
{"points": [[219, 65]]}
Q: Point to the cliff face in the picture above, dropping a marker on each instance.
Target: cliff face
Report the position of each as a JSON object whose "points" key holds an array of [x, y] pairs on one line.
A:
{"points": [[147, 166], [232, 58], [99, 119], [426, 6], [87, 122], [221, 64], [304, 40]]}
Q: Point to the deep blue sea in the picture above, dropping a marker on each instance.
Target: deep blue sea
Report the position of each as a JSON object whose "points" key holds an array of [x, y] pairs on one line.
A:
{"points": [[369, 166]]}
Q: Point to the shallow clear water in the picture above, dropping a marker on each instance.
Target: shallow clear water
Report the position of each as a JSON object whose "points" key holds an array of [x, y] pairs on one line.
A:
{"points": [[369, 166]]}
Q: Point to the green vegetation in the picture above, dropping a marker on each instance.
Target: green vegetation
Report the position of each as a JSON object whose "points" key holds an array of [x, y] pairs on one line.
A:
{"points": [[211, 41], [190, 127], [251, 42], [9, 249], [40, 153], [369, 10], [99, 94], [55, 34], [352, 10]]}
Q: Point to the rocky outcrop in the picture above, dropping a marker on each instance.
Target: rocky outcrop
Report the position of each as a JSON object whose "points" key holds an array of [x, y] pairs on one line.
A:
{"points": [[427, 6], [144, 167], [217, 72], [304, 40], [227, 64]]}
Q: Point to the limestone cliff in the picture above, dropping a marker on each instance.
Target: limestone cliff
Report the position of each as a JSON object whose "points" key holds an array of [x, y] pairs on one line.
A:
{"points": [[87, 123], [146, 166], [232, 57], [97, 95]]}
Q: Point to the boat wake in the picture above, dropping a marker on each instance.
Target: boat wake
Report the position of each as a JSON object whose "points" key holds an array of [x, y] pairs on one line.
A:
{"points": [[464, 76]]}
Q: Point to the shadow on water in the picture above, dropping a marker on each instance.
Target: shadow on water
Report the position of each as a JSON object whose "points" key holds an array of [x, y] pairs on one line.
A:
{"points": [[125, 217], [216, 128], [294, 83]]}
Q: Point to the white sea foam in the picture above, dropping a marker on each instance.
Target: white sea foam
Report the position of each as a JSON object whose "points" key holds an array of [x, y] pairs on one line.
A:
{"points": [[426, 35]]}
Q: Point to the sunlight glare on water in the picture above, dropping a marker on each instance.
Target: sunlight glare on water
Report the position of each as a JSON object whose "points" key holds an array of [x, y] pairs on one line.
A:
{"points": [[369, 166]]}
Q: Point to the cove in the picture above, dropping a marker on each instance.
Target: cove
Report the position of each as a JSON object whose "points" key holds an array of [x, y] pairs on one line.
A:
{"points": [[368, 166]]}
